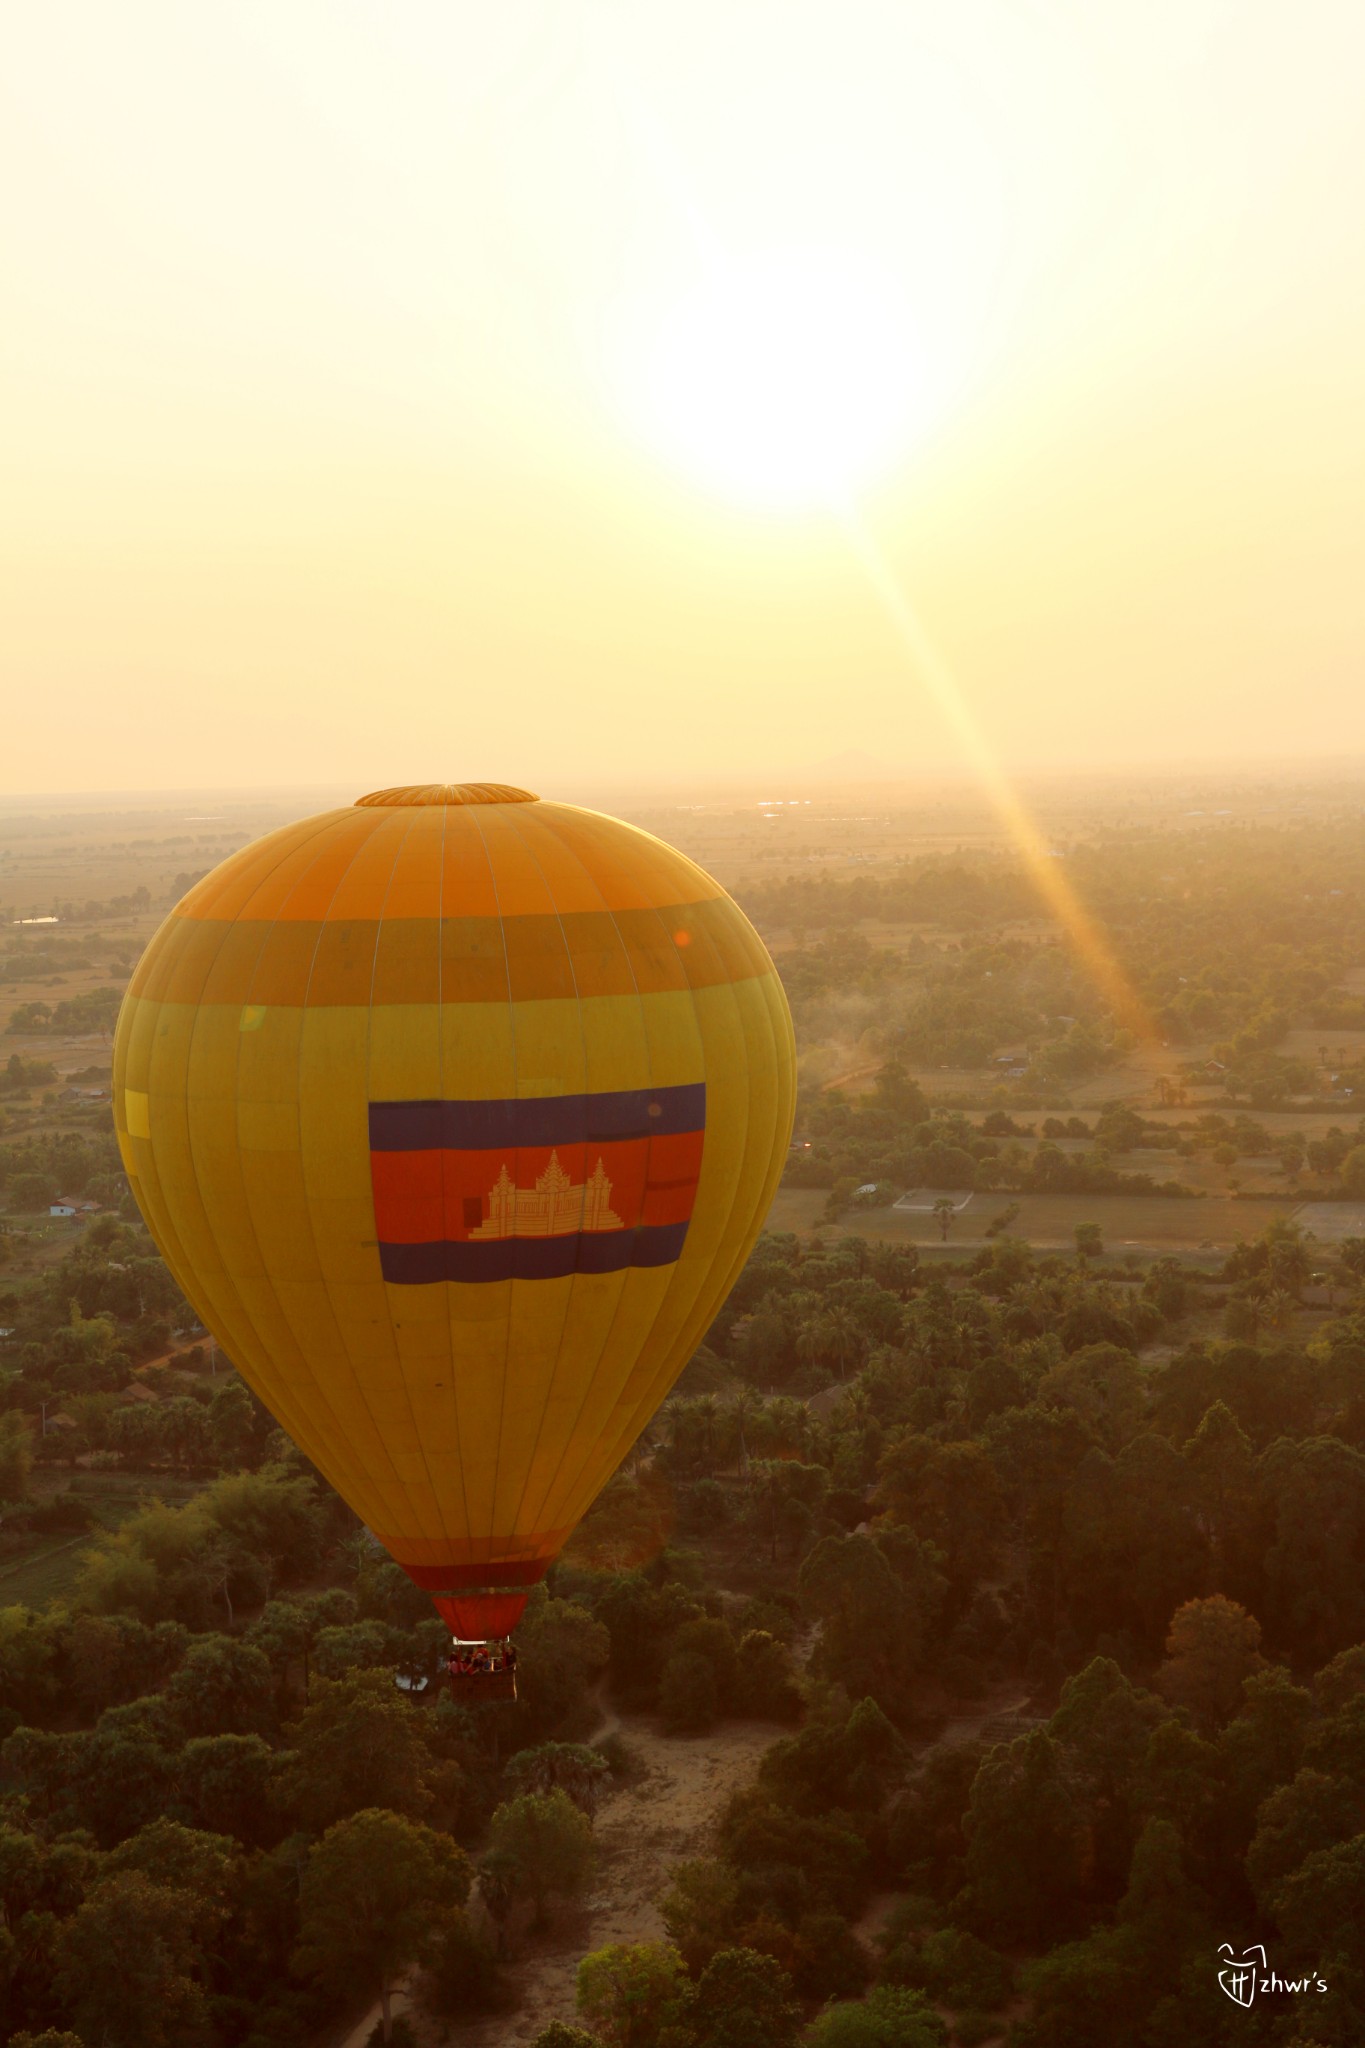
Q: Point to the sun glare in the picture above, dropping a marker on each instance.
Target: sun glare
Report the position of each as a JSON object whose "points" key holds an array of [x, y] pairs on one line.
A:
{"points": [[786, 381]]}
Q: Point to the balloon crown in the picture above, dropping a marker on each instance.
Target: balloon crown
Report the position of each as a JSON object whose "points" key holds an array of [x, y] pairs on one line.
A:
{"points": [[445, 793]]}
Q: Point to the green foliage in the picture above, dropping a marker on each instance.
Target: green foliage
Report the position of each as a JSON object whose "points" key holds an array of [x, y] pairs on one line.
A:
{"points": [[1026, 1839], [222, 1686], [193, 1564], [743, 2000], [127, 1964], [357, 1744], [700, 1910], [958, 1970], [543, 1848], [376, 1891], [889, 2017], [876, 1599], [688, 1694], [560, 1766], [628, 1993], [1212, 1647], [464, 1977], [16, 1457]]}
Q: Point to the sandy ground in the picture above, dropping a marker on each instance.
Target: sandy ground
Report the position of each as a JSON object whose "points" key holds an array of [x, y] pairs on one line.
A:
{"points": [[642, 1831]]}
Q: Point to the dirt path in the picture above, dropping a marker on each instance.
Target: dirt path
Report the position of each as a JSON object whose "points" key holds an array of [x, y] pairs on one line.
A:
{"points": [[641, 1831]]}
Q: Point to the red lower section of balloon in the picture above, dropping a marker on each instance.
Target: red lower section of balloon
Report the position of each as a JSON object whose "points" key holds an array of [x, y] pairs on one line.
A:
{"points": [[478, 1617], [450, 1578]]}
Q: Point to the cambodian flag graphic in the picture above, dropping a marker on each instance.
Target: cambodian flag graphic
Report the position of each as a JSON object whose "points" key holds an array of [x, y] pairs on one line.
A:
{"points": [[532, 1189]]}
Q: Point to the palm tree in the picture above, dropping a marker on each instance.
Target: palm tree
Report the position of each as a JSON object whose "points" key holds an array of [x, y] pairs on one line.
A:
{"points": [[744, 1405], [1279, 1308], [706, 1411], [844, 1339]]}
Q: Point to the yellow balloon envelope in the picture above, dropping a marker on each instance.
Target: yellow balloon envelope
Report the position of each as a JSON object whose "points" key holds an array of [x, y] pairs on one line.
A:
{"points": [[455, 1115]]}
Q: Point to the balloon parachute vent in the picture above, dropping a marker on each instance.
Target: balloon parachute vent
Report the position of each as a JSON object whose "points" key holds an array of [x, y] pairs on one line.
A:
{"points": [[445, 793]]}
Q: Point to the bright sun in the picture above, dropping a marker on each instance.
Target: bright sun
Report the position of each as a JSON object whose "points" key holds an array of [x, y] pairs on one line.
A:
{"points": [[789, 381]]}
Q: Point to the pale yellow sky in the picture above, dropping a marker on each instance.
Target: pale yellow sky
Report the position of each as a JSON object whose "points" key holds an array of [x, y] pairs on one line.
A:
{"points": [[430, 389]]}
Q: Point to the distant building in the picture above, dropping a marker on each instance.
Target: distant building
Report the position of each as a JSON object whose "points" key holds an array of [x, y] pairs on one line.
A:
{"points": [[62, 1209]]}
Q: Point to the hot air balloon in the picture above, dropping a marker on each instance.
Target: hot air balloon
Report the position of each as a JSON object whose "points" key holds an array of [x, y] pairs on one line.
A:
{"points": [[455, 1115]]}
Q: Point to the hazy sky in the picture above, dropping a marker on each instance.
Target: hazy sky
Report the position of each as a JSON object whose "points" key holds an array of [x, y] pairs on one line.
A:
{"points": [[429, 389]]}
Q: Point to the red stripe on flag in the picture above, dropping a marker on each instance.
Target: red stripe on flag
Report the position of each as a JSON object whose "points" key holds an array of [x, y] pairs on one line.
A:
{"points": [[431, 1197]]}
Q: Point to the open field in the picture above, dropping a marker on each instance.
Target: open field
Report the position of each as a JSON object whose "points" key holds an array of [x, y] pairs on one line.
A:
{"points": [[1152, 1223]]}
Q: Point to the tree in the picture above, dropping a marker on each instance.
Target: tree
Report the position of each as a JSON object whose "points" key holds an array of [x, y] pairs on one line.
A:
{"points": [[889, 2017], [545, 1846], [560, 2035], [463, 1976], [700, 1909], [357, 1744], [687, 1693], [949, 1495], [376, 1892], [16, 1456], [1341, 1680], [944, 1209], [1312, 1812], [765, 1678], [181, 1859], [875, 1600], [1318, 1907], [626, 1993], [1089, 1242], [225, 1782], [1102, 1382], [125, 1964], [564, 1766], [1027, 1840], [743, 2000], [1212, 1646], [222, 1687]]}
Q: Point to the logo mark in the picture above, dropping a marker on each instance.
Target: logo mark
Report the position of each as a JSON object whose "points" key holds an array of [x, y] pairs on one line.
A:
{"points": [[1239, 1975], [1242, 1976]]}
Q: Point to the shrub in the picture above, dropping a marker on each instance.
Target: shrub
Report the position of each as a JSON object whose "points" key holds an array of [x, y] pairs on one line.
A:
{"points": [[464, 1976], [687, 1694], [888, 2017]]}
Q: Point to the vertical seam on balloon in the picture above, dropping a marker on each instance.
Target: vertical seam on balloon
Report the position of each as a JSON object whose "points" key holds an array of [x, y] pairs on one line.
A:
{"points": [[512, 1034], [543, 1513], [337, 1317], [631, 1428], [285, 853], [583, 1043], [556, 1519], [245, 1315], [369, 1064], [453, 1367], [779, 1137], [323, 1397]]}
